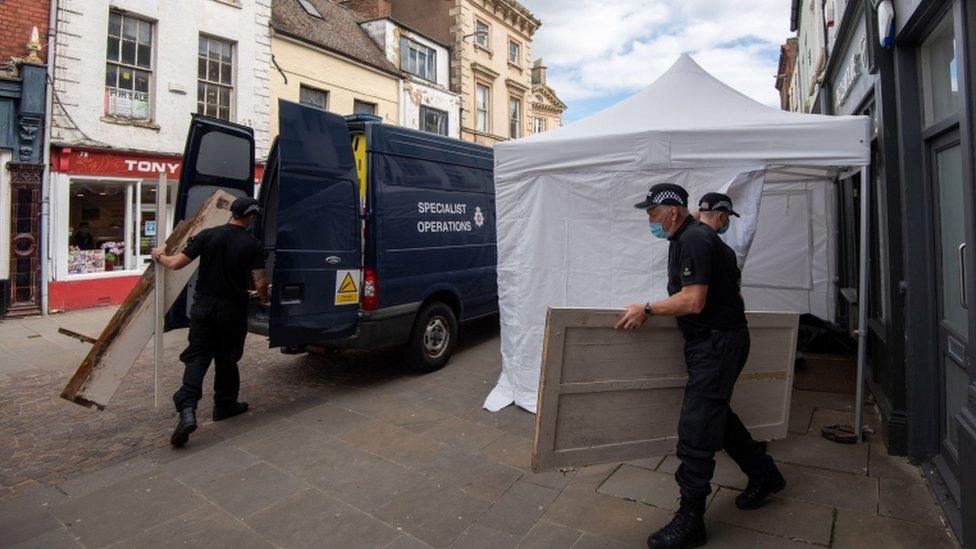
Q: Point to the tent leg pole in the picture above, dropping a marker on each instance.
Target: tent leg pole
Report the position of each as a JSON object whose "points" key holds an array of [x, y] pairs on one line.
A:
{"points": [[862, 302]]}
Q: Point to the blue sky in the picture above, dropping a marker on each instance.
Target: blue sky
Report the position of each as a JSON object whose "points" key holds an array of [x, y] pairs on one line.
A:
{"points": [[601, 51]]}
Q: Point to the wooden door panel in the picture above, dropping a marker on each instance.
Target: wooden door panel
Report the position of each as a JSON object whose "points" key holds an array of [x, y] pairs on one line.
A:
{"points": [[607, 395]]}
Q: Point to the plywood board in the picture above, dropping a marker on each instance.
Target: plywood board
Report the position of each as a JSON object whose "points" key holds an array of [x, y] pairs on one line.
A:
{"points": [[126, 335], [608, 395]]}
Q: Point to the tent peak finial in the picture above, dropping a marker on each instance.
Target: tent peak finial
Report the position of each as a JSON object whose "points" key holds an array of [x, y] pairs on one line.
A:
{"points": [[685, 59]]}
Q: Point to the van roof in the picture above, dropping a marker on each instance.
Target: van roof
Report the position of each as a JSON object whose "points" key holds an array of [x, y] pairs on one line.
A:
{"points": [[399, 141]]}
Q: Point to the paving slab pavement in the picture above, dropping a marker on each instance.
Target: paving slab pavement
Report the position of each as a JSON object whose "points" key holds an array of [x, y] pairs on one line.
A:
{"points": [[348, 450]]}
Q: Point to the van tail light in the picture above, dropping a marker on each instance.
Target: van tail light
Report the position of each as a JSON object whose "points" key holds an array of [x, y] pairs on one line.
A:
{"points": [[370, 290]]}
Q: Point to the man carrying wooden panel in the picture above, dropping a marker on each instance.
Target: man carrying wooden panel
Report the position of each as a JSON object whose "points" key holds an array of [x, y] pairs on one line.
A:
{"points": [[703, 285], [229, 257]]}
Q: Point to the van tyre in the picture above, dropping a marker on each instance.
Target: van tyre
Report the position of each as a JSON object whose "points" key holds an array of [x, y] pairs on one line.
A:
{"points": [[433, 338]]}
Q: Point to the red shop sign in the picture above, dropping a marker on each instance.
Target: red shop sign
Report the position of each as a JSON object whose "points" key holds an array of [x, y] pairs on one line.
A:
{"points": [[119, 164], [113, 163]]}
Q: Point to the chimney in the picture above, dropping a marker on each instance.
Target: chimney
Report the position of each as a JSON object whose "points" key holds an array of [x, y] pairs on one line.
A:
{"points": [[538, 72], [368, 9]]}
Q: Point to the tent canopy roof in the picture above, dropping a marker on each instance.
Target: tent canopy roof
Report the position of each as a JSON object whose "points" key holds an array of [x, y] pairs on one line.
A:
{"points": [[688, 118]]}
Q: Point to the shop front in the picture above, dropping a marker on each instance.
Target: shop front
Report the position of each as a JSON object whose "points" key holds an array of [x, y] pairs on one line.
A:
{"points": [[858, 81], [934, 55], [919, 95], [103, 222]]}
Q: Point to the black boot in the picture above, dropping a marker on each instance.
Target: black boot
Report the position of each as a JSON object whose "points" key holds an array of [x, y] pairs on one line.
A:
{"points": [[686, 529], [186, 425], [756, 492], [223, 412]]}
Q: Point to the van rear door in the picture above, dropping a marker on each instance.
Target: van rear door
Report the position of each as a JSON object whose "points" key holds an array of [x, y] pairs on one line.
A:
{"points": [[316, 276], [217, 155]]}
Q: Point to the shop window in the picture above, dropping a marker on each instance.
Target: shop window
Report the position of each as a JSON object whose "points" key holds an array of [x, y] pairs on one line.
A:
{"points": [[433, 120], [514, 117], [313, 97], [939, 73], [111, 225], [481, 94], [417, 59], [215, 77], [128, 69]]}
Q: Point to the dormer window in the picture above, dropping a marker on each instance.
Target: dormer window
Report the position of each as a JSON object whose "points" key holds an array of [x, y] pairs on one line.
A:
{"points": [[418, 59]]}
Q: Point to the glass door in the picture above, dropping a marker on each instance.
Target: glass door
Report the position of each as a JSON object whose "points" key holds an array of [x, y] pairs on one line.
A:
{"points": [[145, 226], [951, 217], [940, 101]]}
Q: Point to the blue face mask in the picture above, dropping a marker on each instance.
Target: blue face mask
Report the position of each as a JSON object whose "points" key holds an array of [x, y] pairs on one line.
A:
{"points": [[657, 230], [728, 222]]}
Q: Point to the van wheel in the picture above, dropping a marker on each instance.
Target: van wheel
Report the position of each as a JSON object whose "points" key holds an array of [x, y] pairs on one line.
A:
{"points": [[433, 338]]}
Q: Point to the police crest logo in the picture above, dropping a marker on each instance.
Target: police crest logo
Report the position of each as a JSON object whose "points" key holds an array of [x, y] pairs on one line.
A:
{"points": [[479, 218], [686, 271]]}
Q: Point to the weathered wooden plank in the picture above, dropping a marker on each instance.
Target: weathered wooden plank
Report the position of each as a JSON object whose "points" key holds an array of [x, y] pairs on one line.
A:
{"points": [[607, 395], [80, 337], [129, 330]]}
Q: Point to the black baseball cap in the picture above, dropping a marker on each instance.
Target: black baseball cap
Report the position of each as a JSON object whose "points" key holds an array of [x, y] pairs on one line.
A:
{"points": [[716, 202], [244, 206], [664, 194]]}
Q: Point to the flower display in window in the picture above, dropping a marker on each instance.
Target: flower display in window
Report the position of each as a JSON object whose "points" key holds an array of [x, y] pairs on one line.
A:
{"points": [[114, 251]]}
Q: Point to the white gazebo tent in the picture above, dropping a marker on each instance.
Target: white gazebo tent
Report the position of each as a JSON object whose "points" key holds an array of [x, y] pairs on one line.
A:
{"points": [[568, 234]]}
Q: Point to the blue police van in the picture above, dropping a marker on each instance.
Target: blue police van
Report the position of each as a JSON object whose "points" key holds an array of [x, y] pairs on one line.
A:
{"points": [[376, 235]]}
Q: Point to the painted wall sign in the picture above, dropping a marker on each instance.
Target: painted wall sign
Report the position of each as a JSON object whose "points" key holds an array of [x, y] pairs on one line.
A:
{"points": [[850, 78]]}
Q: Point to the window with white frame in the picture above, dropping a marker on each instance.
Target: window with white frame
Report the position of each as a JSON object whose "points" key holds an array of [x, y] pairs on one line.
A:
{"points": [[418, 59], [362, 107], [433, 120], [514, 117], [215, 77], [481, 94], [128, 69], [513, 52], [481, 33], [538, 124], [314, 97]]}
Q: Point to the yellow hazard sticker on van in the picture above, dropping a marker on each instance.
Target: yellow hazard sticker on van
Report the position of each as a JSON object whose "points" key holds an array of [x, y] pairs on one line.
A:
{"points": [[347, 289]]}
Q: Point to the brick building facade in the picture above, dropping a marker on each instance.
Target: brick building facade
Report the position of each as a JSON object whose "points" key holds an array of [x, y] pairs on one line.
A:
{"points": [[17, 18], [23, 76], [784, 76]]}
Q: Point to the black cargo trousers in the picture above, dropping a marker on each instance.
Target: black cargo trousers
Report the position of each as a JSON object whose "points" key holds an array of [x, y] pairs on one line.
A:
{"points": [[707, 423], [218, 327]]}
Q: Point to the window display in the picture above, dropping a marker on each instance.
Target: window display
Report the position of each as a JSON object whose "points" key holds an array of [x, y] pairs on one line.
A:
{"points": [[111, 225]]}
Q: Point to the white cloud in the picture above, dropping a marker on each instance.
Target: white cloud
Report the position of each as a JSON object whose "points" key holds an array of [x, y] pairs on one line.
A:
{"points": [[600, 48]]}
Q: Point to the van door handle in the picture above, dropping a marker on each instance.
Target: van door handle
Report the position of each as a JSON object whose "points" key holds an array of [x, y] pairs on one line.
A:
{"points": [[963, 300], [292, 293]]}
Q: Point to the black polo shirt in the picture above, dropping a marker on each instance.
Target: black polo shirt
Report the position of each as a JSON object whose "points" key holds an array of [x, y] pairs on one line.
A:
{"points": [[228, 253], [698, 256]]}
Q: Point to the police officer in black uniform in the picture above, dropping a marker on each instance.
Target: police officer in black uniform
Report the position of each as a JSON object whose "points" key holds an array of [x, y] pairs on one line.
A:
{"points": [[715, 210], [229, 258], [703, 285]]}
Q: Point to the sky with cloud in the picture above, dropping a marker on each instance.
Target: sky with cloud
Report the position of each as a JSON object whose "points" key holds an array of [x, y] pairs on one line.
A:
{"points": [[601, 51]]}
